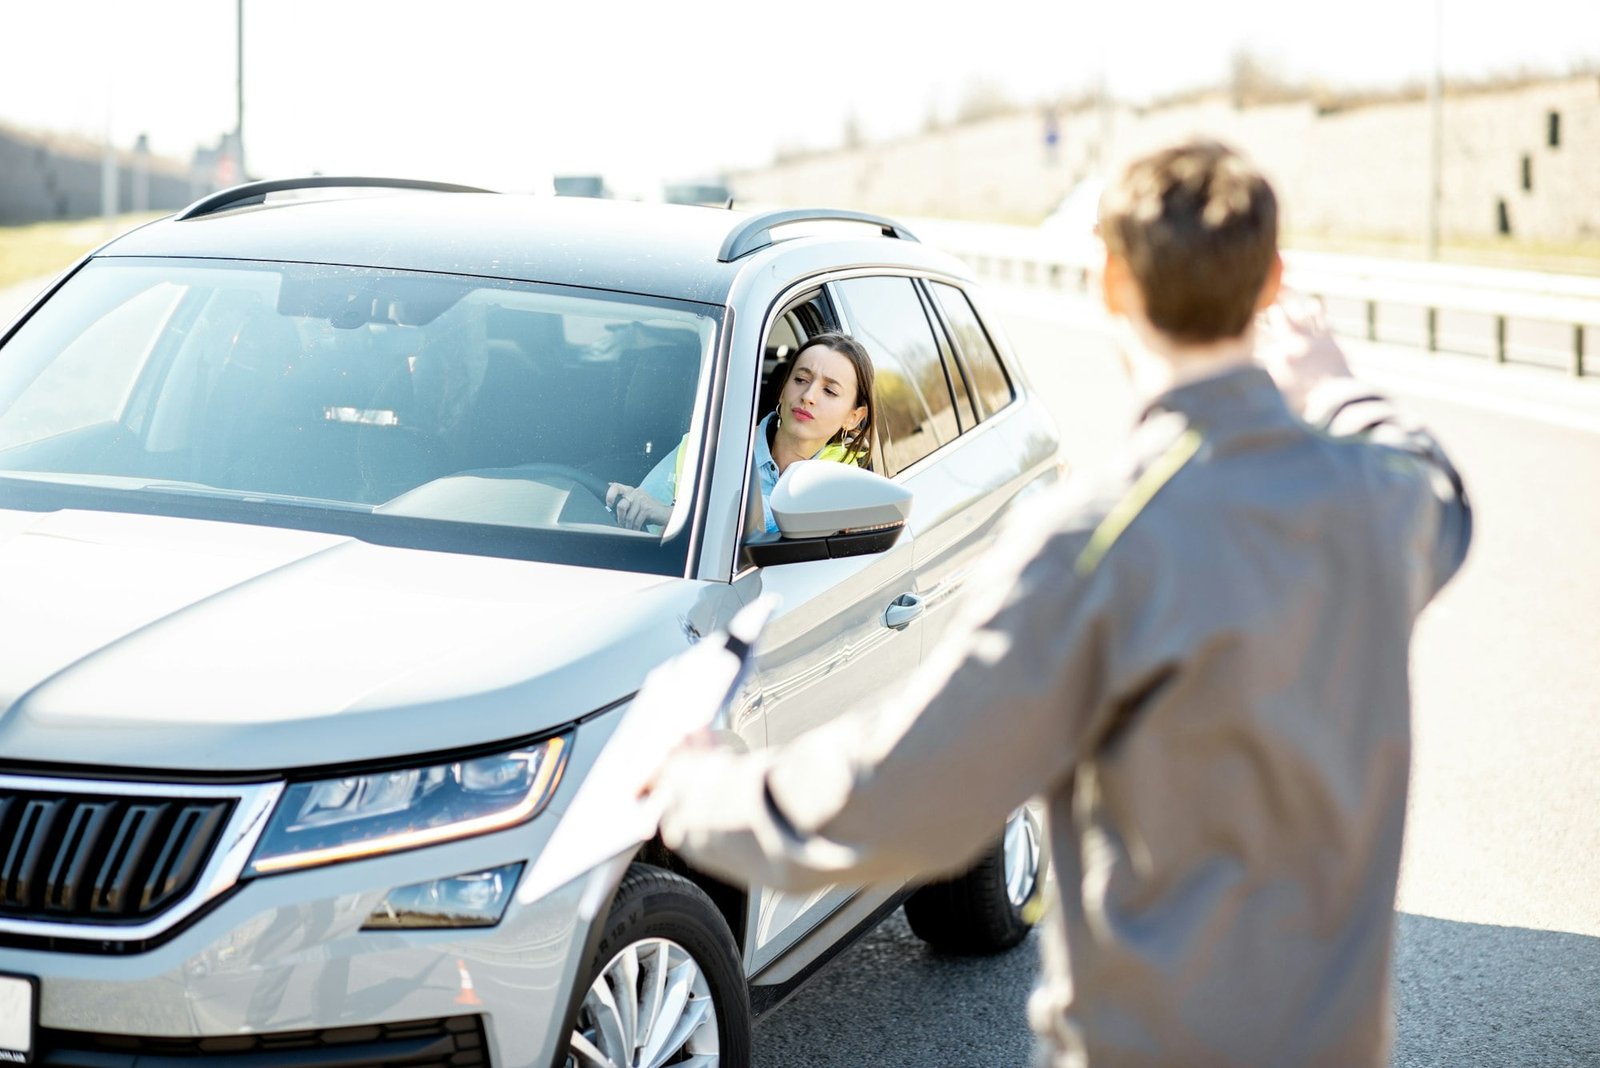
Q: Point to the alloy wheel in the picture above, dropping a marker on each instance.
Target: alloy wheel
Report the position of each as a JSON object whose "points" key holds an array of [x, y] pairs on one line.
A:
{"points": [[1022, 855], [649, 1007]]}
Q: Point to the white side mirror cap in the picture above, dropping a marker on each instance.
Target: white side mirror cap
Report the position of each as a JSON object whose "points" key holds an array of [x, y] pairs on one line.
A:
{"points": [[820, 498]]}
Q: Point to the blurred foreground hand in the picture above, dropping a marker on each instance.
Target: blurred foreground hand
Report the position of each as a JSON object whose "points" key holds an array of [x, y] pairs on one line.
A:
{"points": [[1296, 347]]}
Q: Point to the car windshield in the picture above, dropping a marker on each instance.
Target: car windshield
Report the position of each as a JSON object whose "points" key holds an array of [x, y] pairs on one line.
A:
{"points": [[434, 411]]}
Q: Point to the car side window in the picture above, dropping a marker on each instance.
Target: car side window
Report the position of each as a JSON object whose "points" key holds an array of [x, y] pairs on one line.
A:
{"points": [[954, 372], [979, 360], [916, 413]]}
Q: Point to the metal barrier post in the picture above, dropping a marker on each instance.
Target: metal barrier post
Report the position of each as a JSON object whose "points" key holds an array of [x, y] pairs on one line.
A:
{"points": [[1433, 329], [1499, 339], [1577, 349], [1372, 320]]}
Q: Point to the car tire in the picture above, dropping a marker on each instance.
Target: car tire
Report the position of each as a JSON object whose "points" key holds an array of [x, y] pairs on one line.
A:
{"points": [[983, 910], [664, 947]]}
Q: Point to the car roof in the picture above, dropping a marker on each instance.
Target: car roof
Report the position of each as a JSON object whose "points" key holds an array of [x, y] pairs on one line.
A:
{"points": [[666, 250]]}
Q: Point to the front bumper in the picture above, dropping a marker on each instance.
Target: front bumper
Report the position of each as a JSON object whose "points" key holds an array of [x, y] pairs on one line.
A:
{"points": [[279, 973]]}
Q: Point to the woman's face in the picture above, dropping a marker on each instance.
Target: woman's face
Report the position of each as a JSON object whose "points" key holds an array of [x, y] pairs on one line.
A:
{"points": [[819, 399]]}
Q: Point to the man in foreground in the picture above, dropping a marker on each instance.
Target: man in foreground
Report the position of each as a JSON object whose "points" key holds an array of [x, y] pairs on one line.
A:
{"points": [[1199, 660]]}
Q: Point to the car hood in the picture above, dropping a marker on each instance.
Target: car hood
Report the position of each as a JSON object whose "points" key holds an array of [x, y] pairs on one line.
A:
{"points": [[148, 642]]}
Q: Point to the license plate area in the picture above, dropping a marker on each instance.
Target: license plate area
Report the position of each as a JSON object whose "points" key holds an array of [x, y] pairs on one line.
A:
{"points": [[19, 1012]]}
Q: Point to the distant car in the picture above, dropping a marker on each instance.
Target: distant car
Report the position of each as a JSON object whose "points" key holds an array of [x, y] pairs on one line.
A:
{"points": [[713, 194], [315, 617], [580, 185]]}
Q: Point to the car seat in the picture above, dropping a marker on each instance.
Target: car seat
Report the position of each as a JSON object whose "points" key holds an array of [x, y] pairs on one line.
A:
{"points": [[656, 404], [336, 423]]}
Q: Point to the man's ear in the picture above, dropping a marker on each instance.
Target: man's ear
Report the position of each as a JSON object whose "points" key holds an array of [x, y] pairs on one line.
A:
{"points": [[1117, 287], [1270, 288]]}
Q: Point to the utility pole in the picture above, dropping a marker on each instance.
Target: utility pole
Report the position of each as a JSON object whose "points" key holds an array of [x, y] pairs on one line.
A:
{"points": [[238, 115], [1436, 131], [141, 173], [108, 171]]}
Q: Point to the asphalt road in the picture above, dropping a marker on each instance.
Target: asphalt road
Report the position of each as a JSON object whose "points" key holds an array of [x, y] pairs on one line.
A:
{"points": [[1498, 950]]}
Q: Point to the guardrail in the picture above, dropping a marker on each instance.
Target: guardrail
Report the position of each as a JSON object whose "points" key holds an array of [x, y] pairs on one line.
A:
{"points": [[1017, 254]]}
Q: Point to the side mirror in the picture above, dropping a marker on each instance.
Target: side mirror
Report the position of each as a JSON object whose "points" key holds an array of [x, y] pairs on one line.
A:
{"points": [[827, 510]]}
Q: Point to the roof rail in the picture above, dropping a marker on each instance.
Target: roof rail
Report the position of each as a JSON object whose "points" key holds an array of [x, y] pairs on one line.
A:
{"points": [[256, 192], [756, 232]]}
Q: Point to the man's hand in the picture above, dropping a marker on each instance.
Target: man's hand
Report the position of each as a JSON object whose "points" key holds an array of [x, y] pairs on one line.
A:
{"points": [[634, 508], [1295, 346]]}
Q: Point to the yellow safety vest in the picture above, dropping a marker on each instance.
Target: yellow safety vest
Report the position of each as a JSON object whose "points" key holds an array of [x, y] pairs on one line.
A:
{"points": [[834, 450]]}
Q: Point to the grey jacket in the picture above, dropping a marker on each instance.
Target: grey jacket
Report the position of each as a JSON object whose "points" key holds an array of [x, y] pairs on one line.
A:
{"points": [[1200, 663]]}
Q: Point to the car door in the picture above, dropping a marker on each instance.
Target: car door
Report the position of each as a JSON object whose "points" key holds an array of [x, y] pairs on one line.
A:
{"points": [[1006, 449], [836, 640], [849, 631], [941, 438]]}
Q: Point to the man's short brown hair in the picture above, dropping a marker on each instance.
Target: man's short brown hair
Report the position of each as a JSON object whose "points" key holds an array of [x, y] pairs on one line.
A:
{"points": [[1198, 228]]}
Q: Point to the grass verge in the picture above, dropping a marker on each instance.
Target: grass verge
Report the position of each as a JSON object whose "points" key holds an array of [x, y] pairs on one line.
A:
{"points": [[38, 249], [1578, 256]]}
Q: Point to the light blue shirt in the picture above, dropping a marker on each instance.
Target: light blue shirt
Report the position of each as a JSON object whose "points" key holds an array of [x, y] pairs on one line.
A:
{"points": [[767, 472]]}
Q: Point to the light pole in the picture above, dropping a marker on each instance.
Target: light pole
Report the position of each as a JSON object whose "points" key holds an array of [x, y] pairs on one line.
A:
{"points": [[108, 171], [238, 115], [1436, 131]]}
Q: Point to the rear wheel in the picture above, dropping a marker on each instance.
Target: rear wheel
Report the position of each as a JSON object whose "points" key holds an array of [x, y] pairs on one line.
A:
{"points": [[666, 986], [981, 910]]}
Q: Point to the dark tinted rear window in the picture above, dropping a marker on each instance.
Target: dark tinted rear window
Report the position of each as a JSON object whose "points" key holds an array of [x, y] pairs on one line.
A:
{"points": [[987, 375], [915, 411]]}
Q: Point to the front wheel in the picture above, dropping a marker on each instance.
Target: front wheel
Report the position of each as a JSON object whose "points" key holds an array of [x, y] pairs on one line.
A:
{"points": [[982, 910], [666, 986]]}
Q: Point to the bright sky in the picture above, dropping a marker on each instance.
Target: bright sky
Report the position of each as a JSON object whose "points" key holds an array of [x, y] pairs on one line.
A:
{"points": [[507, 92]]}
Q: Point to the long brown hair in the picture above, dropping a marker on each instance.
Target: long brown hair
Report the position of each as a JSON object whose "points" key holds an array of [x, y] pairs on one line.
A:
{"points": [[858, 442]]}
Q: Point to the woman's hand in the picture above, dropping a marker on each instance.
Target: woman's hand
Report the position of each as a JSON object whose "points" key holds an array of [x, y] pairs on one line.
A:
{"points": [[634, 508]]}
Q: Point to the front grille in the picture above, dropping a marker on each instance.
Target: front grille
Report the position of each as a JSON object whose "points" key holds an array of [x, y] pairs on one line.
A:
{"points": [[449, 1042], [67, 856]]}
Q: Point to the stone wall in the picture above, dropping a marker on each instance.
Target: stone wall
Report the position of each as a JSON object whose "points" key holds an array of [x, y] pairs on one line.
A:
{"points": [[44, 178], [1361, 171]]}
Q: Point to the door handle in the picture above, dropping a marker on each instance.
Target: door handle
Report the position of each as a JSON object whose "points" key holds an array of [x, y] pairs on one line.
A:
{"points": [[902, 610]]}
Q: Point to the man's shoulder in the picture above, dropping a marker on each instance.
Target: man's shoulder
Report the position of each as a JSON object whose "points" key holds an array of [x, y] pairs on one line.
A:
{"points": [[1088, 512]]}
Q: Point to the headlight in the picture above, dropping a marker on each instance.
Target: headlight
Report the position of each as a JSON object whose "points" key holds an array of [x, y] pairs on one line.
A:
{"points": [[365, 815]]}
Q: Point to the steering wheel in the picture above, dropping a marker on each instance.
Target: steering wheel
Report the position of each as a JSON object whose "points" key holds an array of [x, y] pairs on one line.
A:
{"points": [[587, 479]]}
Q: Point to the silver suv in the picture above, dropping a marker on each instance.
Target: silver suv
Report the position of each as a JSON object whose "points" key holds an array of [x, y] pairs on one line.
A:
{"points": [[315, 616]]}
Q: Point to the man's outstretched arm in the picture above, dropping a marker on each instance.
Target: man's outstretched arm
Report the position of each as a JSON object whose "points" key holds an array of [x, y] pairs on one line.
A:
{"points": [[1302, 356], [920, 785]]}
